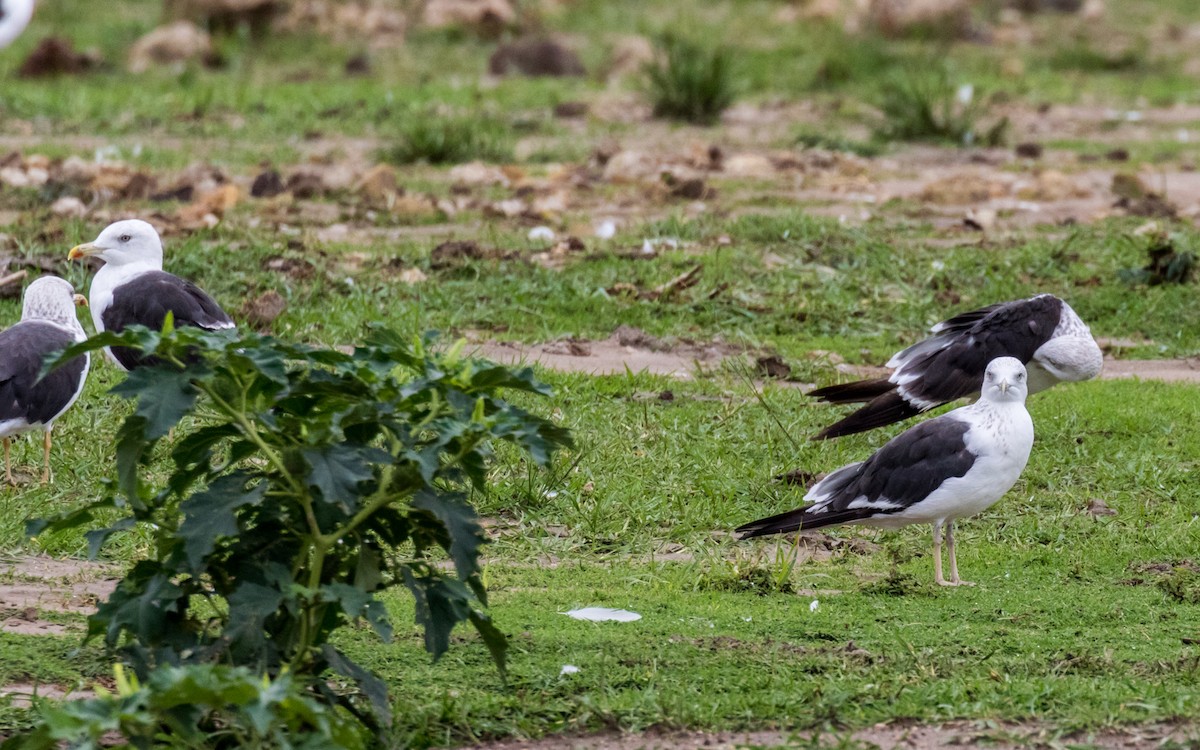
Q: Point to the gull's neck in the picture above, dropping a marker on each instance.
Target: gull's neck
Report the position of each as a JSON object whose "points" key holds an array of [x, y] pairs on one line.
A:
{"points": [[107, 279], [1004, 407], [70, 324]]}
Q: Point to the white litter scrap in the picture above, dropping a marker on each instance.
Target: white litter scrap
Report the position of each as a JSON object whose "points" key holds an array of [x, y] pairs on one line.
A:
{"points": [[542, 233], [813, 605], [650, 245], [602, 614], [568, 669]]}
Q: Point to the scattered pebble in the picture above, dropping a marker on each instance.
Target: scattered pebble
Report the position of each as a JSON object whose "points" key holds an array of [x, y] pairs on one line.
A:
{"points": [[68, 205], [412, 276]]}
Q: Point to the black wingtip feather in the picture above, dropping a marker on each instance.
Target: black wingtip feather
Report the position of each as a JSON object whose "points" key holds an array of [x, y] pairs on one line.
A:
{"points": [[884, 410], [851, 393], [798, 520], [782, 523]]}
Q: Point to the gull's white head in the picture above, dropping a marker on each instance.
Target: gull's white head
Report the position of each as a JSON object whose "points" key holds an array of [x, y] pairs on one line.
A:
{"points": [[53, 300], [1005, 381], [124, 242]]}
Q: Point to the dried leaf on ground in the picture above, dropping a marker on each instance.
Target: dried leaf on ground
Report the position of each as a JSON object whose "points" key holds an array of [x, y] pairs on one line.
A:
{"points": [[639, 339], [297, 268], [456, 253], [556, 257], [379, 186], [798, 477], [207, 211], [772, 366], [1097, 507], [412, 276], [683, 281], [569, 346], [262, 311]]}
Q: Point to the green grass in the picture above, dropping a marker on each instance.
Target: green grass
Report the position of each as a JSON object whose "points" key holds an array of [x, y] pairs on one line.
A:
{"points": [[1066, 626], [788, 281], [1010, 649]]}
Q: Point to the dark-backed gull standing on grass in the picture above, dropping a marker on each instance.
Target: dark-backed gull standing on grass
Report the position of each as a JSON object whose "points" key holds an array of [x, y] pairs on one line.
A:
{"points": [[48, 325], [132, 289], [946, 468], [14, 17], [1043, 332]]}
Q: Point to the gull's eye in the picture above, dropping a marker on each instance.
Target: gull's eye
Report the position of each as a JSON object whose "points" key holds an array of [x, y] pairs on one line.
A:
{"points": [[124, 238]]}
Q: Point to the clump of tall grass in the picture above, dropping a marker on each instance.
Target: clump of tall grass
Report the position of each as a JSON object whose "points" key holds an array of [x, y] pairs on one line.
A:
{"points": [[689, 81], [921, 103], [440, 138]]}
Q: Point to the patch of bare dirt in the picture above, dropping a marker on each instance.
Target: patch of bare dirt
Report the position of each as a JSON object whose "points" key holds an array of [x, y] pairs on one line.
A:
{"points": [[1166, 370], [639, 352], [1009, 736], [23, 694], [33, 585], [340, 192], [625, 348]]}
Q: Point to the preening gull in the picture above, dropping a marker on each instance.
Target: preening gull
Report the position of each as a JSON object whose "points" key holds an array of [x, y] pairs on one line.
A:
{"points": [[48, 325], [132, 289], [14, 17], [1043, 332], [943, 469]]}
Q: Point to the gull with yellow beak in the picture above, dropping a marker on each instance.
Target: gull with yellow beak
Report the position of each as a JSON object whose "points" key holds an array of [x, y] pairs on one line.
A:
{"points": [[941, 470], [132, 289], [27, 401]]}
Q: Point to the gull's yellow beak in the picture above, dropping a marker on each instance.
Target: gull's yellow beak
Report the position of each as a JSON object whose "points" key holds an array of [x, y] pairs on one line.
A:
{"points": [[1003, 384], [80, 300], [86, 250]]}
